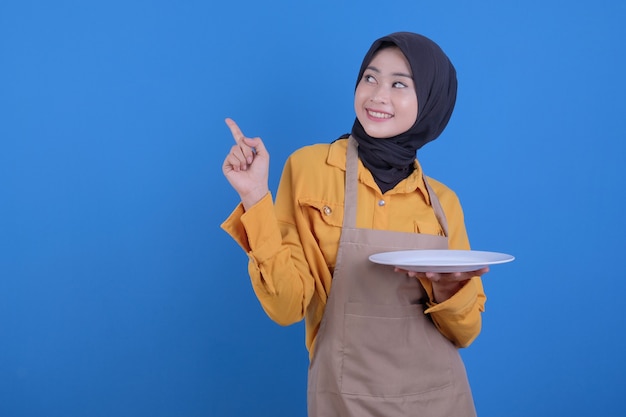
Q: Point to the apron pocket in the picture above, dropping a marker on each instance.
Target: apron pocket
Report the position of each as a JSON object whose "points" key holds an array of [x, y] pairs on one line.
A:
{"points": [[393, 351]]}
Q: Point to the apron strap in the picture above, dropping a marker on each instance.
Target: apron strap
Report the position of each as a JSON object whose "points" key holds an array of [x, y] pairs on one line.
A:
{"points": [[434, 202], [352, 163]]}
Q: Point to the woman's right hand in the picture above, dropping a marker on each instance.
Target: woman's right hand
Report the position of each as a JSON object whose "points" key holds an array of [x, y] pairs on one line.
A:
{"points": [[246, 167]]}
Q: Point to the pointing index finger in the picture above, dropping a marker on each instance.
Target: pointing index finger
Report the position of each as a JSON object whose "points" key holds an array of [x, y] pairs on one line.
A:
{"points": [[234, 130]]}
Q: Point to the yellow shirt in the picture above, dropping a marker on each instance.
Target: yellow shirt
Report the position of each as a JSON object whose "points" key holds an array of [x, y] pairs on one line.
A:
{"points": [[292, 244]]}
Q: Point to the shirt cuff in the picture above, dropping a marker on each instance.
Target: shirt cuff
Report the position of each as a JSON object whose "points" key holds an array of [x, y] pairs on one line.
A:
{"points": [[233, 226], [261, 226]]}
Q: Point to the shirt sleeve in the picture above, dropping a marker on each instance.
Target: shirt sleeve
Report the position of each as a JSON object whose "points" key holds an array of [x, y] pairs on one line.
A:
{"points": [[283, 289], [459, 317]]}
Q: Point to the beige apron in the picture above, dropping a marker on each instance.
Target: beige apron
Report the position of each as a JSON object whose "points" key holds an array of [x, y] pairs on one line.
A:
{"points": [[376, 352]]}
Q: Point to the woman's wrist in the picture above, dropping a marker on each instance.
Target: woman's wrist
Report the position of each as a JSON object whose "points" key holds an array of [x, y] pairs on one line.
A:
{"points": [[442, 291], [253, 197]]}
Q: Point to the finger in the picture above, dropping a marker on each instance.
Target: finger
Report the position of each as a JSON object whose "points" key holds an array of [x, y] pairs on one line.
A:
{"points": [[227, 165], [411, 274], [241, 152], [234, 130], [246, 144], [237, 157], [234, 163], [247, 147], [432, 276]]}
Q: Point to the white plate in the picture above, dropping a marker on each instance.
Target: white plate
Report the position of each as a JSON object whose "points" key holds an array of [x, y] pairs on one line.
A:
{"points": [[446, 260]]}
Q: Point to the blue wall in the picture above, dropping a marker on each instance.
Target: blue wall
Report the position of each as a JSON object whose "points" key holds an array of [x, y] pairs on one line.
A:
{"points": [[119, 293]]}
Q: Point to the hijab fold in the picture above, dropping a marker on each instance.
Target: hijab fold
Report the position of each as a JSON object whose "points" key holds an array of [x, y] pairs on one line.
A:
{"points": [[390, 160]]}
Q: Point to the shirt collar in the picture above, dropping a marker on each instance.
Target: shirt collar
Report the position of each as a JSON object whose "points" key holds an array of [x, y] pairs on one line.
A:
{"points": [[415, 181]]}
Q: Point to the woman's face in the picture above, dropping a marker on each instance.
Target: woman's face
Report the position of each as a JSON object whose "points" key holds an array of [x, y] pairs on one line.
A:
{"points": [[385, 101]]}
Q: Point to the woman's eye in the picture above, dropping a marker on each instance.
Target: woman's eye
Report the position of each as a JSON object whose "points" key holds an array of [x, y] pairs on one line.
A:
{"points": [[369, 79], [398, 84]]}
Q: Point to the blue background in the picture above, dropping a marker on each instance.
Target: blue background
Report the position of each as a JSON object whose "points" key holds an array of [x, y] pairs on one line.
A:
{"points": [[121, 296]]}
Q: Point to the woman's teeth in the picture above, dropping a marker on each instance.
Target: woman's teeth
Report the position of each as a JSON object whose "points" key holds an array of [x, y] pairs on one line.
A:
{"points": [[379, 115]]}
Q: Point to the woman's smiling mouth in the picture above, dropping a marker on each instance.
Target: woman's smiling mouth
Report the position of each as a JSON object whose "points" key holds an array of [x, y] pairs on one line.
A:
{"points": [[378, 115]]}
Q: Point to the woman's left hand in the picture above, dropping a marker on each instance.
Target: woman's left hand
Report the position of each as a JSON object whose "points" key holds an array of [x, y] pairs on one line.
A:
{"points": [[445, 285]]}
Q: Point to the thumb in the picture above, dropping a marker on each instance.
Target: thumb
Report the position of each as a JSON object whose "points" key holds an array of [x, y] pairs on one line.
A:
{"points": [[257, 144]]}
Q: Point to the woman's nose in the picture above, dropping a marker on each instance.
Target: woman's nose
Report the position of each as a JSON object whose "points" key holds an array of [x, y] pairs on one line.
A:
{"points": [[380, 95]]}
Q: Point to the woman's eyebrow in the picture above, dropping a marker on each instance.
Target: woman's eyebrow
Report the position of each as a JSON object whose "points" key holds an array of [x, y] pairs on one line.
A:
{"points": [[395, 74]]}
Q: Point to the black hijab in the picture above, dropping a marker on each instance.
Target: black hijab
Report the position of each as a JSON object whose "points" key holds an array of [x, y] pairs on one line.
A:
{"points": [[391, 160]]}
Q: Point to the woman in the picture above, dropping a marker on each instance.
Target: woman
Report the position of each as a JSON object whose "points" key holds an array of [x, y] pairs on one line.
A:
{"points": [[380, 342]]}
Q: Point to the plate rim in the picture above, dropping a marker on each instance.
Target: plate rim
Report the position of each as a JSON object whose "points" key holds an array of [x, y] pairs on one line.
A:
{"points": [[504, 258]]}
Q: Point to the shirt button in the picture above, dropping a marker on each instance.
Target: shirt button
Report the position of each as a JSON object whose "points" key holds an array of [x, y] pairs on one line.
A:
{"points": [[327, 210], [381, 202]]}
